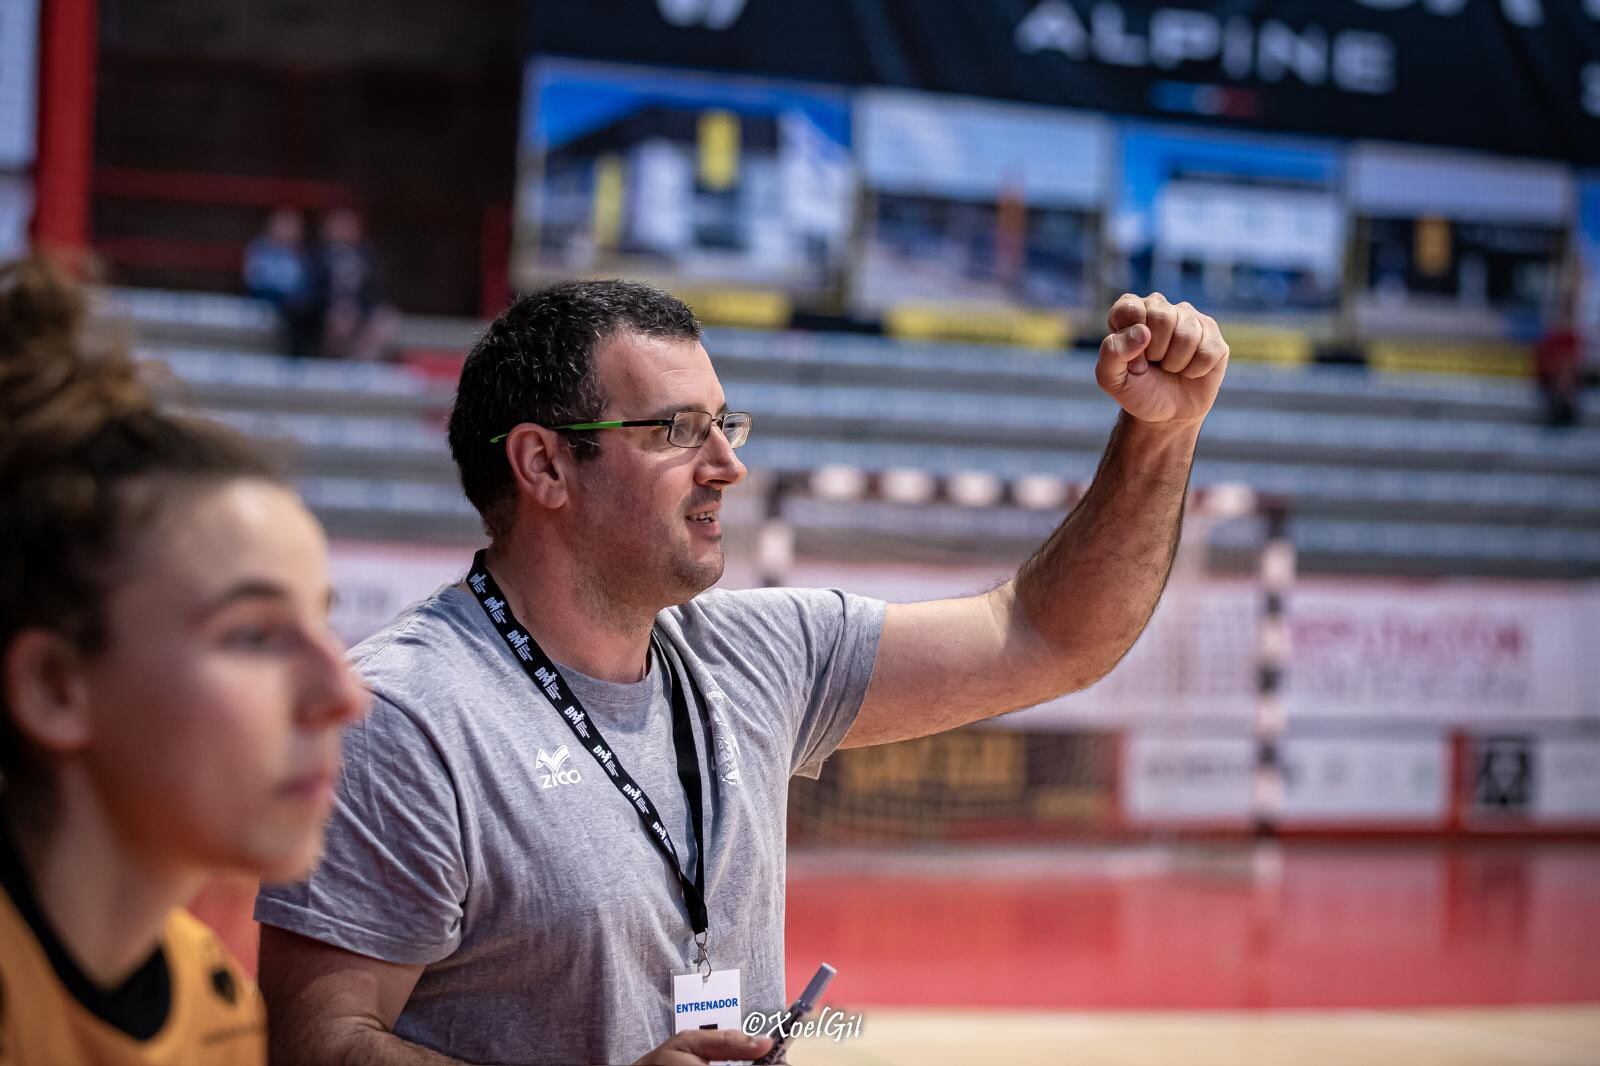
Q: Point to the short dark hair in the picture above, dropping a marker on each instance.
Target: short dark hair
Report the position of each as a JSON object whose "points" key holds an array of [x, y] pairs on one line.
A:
{"points": [[535, 363]]}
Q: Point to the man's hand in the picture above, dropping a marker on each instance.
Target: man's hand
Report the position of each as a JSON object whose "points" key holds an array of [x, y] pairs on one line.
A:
{"points": [[697, 1047], [1162, 363]]}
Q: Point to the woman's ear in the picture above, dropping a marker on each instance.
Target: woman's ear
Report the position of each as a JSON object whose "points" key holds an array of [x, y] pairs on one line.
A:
{"points": [[538, 463], [47, 693]]}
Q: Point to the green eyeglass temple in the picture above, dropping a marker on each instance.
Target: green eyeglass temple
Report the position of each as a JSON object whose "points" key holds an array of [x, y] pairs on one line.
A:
{"points": [[688, 429]]}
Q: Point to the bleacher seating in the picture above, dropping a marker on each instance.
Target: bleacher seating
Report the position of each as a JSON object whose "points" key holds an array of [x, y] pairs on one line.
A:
{"points": [[1381, 473]]}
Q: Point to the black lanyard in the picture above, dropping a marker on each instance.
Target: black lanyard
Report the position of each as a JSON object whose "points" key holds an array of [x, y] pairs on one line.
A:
{"points": [[547, 679]]}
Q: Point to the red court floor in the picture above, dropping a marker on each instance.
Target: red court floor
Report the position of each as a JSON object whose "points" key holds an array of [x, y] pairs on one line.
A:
{"points": [[1397, 926], [1393, 926]]}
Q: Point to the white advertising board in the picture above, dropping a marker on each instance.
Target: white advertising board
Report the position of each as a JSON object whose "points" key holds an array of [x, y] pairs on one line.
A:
{"points": [[372, 583], [1172, 778], [1471, 653], [16, 209], [1460, 651], [1366, 780], [1566, 780]]}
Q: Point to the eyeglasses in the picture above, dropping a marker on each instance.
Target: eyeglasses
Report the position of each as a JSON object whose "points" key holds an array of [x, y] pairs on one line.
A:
{"points": [[686, 429]]}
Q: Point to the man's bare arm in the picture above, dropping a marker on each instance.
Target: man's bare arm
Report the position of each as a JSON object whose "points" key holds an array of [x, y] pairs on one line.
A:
{"points": [[331, 1007], [1078, 604]]}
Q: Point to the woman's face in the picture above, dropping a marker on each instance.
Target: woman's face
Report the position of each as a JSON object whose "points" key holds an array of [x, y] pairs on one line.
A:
{"points": [[219, 698]]}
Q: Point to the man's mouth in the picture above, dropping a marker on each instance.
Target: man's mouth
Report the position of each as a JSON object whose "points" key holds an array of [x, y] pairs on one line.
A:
{"points": [[705, 509], [705, 515]]}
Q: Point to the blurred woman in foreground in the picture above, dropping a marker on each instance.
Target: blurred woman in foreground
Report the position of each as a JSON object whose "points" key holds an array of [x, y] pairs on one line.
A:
{"points": [[171, 698]]}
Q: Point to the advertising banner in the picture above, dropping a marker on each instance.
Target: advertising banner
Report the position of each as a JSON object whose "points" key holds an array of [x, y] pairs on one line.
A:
{"points": [[1173, 778], [1442, 651], [696, 182], [19, 79], [1548, 779], [1461, 652], [1586, 306], [16, 209], [374, 582], [1233, 223], [1379, 780], [1430, 71], [1566, 788], [1176, 778], [1457, 243], [976, 206]]}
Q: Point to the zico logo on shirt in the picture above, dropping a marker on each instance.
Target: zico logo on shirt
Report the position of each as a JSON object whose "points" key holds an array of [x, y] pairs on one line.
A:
{"points": [[554, 763]]}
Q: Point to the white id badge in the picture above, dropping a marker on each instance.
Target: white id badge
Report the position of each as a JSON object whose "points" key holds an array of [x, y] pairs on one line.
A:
{"points": [[706, 1002]]}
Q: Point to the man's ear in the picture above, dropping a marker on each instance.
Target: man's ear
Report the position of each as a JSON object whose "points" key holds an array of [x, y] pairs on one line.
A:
{"points": [[46, 692], [540, 463]]}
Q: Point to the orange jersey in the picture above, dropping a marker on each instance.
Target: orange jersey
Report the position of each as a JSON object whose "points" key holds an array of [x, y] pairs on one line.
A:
{"points": [[189, 1004]]}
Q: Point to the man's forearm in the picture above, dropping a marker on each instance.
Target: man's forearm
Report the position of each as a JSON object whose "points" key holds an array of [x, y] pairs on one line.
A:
{"points": [[1089, 590], [375, 1047], [357, 1045]]}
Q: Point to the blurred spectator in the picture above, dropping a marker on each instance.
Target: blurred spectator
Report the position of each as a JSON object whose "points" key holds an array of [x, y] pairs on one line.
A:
{"points": [[358, 323], [278, 269], [1556, 367]]}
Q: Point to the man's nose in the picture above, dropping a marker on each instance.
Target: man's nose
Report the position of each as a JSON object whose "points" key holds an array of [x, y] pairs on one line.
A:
{"points": [[719, 462]]}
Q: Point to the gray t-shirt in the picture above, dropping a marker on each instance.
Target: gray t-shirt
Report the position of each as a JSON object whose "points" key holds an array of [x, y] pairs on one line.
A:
{"points": [[549, 924]]}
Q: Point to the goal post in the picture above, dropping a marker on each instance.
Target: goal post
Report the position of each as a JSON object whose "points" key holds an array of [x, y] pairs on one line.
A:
{"points": [[1207, 675]]}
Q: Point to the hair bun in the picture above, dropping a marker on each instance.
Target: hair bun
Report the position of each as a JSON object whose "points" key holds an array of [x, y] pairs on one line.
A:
{"points": [[54, 385]]}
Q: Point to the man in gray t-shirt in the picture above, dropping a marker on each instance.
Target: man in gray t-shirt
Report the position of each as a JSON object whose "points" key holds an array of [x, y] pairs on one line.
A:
{"points": [[474, 836], [496, 887]]}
